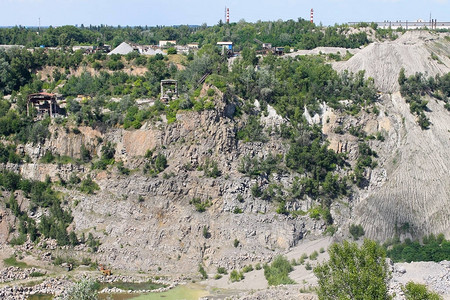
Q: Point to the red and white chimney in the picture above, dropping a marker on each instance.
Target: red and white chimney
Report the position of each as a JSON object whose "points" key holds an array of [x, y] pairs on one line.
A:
{"points": [[312, 15], [228, 15]]}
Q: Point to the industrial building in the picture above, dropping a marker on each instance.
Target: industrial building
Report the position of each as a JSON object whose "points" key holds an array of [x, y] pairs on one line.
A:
{"points": [[418, 24]]}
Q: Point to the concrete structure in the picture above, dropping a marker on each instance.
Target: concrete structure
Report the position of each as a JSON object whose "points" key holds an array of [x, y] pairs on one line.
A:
{"points": [[7, 47], [163, 44], [192, 45], [418, 24], [227, 48], [169, 90], [87, 49], [149, 50], [278, 50], [44, 103]]}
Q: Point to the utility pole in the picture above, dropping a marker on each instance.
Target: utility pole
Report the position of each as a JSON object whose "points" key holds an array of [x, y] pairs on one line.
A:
{"points": [[39, 27]]}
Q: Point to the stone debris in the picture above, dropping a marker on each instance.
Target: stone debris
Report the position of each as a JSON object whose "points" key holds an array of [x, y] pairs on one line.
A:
{"points": [[14, 273]]}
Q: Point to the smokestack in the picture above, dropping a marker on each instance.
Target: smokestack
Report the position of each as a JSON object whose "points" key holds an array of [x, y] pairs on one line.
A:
{"points": [[312, 15], [228, 15]]}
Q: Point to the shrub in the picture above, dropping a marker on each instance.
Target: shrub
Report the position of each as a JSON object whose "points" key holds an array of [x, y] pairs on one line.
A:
{"points": [[236, 276], [278, 271], [314, 255], [205, 232], [89, 186], [171, 50], [236, 243], [200, 205], [237, 210], [356, 231], [247, 269], [256, 191], [122, 170], [211, 169], [48, 158], [308, 266], [222, 270], [86, 289], [416, 291], [202, 272]]}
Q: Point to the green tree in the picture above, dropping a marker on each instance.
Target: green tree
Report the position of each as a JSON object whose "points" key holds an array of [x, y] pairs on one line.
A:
{"points": [[353, 272]]}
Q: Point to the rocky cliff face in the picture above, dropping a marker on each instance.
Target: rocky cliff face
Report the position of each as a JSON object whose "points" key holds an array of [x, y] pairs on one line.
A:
{"points": [[409, 193], [147, 222]]}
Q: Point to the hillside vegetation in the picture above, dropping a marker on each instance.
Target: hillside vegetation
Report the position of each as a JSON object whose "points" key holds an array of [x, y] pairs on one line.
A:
{"points": [[264, 152]]}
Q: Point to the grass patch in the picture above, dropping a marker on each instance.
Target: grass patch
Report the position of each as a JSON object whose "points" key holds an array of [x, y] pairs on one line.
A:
{"points": [[36, 274], [12, 262]]}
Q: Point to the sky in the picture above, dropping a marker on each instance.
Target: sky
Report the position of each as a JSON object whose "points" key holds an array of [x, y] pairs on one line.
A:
{"points": [[197, 12]]}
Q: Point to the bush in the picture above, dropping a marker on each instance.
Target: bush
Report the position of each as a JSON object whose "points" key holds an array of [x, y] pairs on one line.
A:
{"points": [[314, 255], [356, 231], [416, 291], [237, 210], [48, 158], [200, 205], [247, 269], [236, 243], [171, 50], [89, 186], [221, 270], [202, 272], [278, 272], [236, 276], [86, 289], [205, 232]]}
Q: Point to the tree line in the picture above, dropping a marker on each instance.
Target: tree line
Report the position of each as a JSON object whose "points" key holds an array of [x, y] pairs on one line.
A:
{"points": [[299, 34]]}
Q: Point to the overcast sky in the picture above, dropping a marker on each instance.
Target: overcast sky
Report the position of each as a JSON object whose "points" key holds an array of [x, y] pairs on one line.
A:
{"points": [[197, 12]]}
